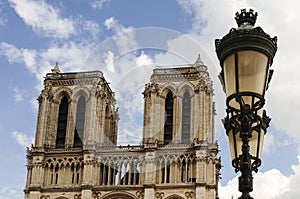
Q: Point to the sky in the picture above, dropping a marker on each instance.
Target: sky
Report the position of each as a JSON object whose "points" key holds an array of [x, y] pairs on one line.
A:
{"points": [[126, 40]]}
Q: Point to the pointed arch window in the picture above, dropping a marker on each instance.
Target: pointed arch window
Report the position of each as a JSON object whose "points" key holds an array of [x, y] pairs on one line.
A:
{"points": [[62, 123], [107, 125], [80, 119], [168, 128], [186, 117]]}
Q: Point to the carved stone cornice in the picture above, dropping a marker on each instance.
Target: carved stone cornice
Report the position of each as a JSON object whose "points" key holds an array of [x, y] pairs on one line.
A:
{"points": [[178, 74], [71, 82]]}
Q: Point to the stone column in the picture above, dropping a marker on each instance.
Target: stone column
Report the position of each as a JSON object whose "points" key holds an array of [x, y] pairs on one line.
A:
{"points": [[34, 195], [150, 168], [40, 121], [149, 192]]}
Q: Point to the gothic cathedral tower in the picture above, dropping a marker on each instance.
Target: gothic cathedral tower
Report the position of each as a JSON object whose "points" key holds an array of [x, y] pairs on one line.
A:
{"points": [[75, 153]]}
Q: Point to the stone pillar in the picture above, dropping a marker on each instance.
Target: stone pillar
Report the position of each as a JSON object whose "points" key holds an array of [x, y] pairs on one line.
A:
{"points": [[40, 122], [149, 192], [86, 194], [88, 137], [200, 192], [150, 168], [34, 195], [87, 178]]}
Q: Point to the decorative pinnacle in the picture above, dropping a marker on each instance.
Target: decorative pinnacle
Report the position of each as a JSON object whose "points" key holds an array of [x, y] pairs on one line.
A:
{"points": [[246, 17], [199, 61], [55, 69]]}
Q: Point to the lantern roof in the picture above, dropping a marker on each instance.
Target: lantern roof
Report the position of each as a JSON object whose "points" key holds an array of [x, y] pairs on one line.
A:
{"points": [[246, 37]]}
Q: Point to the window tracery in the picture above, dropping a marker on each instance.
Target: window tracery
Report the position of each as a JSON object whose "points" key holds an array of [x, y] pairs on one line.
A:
{"points": [[186, 117], [168, 127], [62, 123], [80, 122]]}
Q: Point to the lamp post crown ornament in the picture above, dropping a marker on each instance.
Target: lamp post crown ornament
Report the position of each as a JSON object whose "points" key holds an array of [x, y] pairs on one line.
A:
{"points": [[246, 36], [245, 17]]}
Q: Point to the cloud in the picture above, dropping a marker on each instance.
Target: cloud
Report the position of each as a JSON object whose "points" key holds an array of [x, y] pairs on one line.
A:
{"points": [[143, 60], [271, 184], [109, 61], [69, 55], [90, 26], [8, 193], [43, 18], [22, 139], [112, 23], [16, 55], [18, 94], [128, 92], [99, 3], [124, 38], [3, 18]]}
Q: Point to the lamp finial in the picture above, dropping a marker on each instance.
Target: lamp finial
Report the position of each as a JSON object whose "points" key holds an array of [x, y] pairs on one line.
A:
{"points": [[245, 17]]}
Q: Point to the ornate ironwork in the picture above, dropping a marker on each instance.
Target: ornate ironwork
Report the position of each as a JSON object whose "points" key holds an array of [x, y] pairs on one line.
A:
{"points": [[245, 118], [245, 122]]}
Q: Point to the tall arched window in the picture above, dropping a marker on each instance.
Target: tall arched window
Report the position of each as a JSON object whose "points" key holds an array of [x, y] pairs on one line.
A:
{"points": [[107, 125], [79, 125], [62, 123], [186, 117], [168, 119]]}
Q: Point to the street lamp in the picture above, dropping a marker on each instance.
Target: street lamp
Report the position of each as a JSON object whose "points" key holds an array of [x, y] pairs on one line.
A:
{"points": [[245, 55]]}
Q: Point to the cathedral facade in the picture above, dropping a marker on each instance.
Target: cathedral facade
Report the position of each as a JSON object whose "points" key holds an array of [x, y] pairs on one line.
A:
{"points": [[76, 156]]}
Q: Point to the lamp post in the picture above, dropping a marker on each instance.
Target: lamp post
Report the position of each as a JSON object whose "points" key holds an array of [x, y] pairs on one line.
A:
{"points": [[246, 54]]}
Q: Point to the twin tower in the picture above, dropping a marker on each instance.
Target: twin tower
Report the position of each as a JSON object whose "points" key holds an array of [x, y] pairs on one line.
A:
{"points": [[75, 154]]}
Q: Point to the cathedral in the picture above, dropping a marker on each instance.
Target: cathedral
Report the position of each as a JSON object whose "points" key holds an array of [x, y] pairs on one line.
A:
{"points": [[76, 155]]}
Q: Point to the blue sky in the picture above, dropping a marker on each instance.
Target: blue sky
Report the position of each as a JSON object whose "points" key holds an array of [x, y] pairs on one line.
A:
{"points": [[126, 39]]}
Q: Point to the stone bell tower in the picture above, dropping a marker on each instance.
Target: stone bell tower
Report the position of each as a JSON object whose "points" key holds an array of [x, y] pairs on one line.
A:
{"points": [[76, 114], [178, 134], [179, 105]]}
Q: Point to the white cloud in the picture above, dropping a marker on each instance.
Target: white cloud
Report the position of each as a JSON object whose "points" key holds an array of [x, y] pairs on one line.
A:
{"points": [[12, 53], [124, 38], [69, 55], [112, 23], [143, 60], [22, 139], [109, 61], [16, 55], [9, 193], [91, 26], [18, 94], [271, 184], [3, 18], [99, 3], [43, 18]]}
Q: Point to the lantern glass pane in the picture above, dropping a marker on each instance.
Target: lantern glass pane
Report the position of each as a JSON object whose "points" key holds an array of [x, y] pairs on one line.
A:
{"points": [[229, 75], [252, 67], [235, 143], [253, 143]]}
